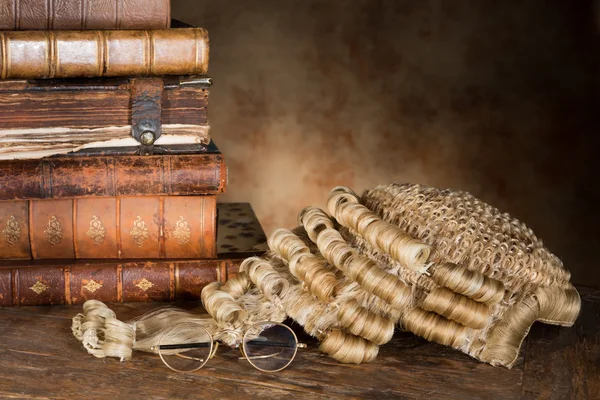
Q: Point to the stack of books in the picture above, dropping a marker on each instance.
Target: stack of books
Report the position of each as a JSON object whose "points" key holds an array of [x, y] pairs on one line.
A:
{"points": [[108, 176]]}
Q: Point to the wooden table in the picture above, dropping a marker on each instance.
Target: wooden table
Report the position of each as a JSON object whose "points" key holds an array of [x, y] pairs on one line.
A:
{"points": [[39, 359]]}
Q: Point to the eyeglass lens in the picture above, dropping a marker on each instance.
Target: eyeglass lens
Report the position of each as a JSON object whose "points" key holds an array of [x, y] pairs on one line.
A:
{"points": [[185, 347], [269, 346]]}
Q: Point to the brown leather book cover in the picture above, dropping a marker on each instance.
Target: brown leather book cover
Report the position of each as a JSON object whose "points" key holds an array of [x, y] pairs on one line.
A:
{"points": [[111, 281], [84, 14], [79, 113], [96, 53], [41, 282], [201, 172], [109, 227]]}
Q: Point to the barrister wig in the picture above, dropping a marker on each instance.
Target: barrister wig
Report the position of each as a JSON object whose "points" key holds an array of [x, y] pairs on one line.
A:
{"points": [[438, 263]]}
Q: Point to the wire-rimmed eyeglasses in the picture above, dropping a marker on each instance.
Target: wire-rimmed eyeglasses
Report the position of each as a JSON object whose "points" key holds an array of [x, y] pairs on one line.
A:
{"points": [[268, 346]]}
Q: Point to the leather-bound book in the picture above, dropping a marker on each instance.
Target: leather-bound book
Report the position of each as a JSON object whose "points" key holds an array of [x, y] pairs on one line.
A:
{"points": [[84, 14], [100, 53], [42, 282], [45, 117], [109, 227], [177, 171]]}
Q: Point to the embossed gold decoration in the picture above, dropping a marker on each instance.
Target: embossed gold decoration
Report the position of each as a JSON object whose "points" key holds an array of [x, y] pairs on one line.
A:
{"points": [[96, 230], [39, 287], [145, 284], [181, 232], [12, 232], [139, 232], [92, 286], [53, 232]]}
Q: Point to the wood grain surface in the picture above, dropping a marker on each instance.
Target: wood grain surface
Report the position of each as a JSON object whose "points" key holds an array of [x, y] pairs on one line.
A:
{"points": [[40, 359]]}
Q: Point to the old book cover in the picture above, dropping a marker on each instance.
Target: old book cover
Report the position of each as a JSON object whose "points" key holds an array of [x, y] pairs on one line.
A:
{"points": [[43, 282], [84, 14], [91, 113], [176, 171], [103, 53], [109, 227]]}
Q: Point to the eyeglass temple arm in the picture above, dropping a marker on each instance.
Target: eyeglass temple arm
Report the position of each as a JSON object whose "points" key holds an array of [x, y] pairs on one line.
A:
{"points": [[276, 344], [189, 358], [212, 354], [244, 356], [181, 346]]}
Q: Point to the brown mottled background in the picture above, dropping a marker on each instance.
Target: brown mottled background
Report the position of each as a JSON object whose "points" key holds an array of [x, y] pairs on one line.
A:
{"points": [[499, 98]]}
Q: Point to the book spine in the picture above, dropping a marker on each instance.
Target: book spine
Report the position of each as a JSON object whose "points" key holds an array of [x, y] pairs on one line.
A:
{"points": [[95, 53], [74, 177], [31, 285], [89, 107], [84, 14], [109, 227]]}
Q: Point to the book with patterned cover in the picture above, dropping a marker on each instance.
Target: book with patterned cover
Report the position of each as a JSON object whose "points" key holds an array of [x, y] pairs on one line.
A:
{"points": [[42, 282], [109, 227]]}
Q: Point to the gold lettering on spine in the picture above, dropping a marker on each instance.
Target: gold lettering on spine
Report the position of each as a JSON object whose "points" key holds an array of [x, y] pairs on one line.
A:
{"points": [[145, 284], [139, 232], [39, 287], [12, 232], [96, 231], [181, 232], [53, 231], [92, 286]]}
